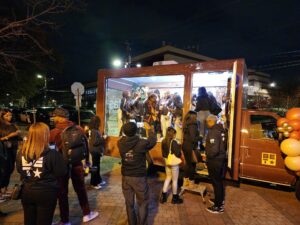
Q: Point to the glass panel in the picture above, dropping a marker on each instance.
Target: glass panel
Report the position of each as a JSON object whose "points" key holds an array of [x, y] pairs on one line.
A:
{"points": [[211, 94], [263, 127], [149, 100]]}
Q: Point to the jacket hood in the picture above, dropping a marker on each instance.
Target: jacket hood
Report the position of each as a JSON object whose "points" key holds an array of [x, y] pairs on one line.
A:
{"points": [[129, 142]]}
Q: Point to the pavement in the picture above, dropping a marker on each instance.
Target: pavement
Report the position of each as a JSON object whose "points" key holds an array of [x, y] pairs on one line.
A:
{"points": [[244, 205]]}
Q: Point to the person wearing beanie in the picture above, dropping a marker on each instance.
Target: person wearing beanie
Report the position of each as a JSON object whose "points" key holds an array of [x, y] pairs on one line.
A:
{"points": [[215, 147], [76, 172], [133, 151]]}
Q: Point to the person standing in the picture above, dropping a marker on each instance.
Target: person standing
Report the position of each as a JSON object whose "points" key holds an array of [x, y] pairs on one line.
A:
{"points": [[190, 143], [9, 136], [202, 108], [96, 148], [164, 108], [76, 172], [172, 172], [133, 151], [216, 157], [39, 166]]}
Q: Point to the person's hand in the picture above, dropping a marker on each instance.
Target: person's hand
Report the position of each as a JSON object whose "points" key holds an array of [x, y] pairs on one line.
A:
{"points": [[104, 136]]}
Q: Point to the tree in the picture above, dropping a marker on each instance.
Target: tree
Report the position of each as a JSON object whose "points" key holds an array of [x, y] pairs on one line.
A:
{"points": [[24, 48]]}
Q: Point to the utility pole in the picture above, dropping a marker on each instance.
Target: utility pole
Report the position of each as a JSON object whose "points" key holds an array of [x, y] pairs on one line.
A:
{"points": [[128, 54]]}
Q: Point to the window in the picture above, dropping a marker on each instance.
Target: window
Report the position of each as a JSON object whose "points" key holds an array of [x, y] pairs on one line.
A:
{"points": [[263, 127], [127, 99]]}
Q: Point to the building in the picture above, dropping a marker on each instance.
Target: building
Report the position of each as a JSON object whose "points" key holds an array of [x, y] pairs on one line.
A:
{"points": [[258, 82]]}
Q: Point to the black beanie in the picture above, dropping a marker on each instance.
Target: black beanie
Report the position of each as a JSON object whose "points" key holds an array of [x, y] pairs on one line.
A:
{"points": [[129, 129]]}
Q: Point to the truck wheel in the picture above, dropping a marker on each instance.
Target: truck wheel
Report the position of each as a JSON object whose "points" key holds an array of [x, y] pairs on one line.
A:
{"points": [[297, 191]]}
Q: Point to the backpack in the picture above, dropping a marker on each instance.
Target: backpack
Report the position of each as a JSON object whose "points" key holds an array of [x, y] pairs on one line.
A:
{"points": [[214, 107], [74, 144]]}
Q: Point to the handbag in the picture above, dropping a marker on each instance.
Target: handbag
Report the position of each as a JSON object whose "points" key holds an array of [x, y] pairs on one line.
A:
{"points": [[172, 159], [17, 189]]}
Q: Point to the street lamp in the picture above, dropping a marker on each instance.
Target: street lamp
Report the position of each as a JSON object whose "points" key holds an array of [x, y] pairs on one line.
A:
{"points": [[117, 63], [46, 79], [273, 84]]}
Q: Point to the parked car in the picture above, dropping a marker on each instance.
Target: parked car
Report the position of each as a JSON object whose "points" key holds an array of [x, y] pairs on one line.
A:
{"points": [[41, 114]]}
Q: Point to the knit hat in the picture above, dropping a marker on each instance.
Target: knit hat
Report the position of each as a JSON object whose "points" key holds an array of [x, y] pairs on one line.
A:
{"points": [[129, 129], [61, 112]]}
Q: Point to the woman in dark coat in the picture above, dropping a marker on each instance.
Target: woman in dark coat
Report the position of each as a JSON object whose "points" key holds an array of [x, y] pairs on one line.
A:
{"points": [[203, 104], [96, 147], [190, 142], [9, 135]]}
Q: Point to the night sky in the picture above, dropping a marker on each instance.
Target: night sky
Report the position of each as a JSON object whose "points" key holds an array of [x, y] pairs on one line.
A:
{"points": [[264, 32]]}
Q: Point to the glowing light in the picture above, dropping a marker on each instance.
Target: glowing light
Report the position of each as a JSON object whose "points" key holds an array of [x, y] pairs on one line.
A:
{"points": [[117, 63]]}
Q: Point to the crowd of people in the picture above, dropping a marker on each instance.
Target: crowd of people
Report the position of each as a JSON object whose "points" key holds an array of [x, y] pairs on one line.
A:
{"points": [[48, 159]]}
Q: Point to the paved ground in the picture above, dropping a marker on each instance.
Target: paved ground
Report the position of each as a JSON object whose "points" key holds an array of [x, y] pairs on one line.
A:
{"points": [[246, 205]]}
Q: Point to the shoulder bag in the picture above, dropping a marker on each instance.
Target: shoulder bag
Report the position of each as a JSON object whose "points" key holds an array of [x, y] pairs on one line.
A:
{"points": [[172, 159]]}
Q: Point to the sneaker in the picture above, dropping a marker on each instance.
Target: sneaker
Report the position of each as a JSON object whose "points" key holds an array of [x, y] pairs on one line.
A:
{"points": [[92, 215], [215, 210], [102, 183], [97, 187], [212, 201], [2, 199]]}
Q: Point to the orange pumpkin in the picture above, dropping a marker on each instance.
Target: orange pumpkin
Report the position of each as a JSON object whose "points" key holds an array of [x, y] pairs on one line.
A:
{"points": [[295, 135], [281, 121], [293, 114], [295, 124]]}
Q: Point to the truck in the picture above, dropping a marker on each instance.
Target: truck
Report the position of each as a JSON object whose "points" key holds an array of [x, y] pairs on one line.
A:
{"points": [[253, 145]]}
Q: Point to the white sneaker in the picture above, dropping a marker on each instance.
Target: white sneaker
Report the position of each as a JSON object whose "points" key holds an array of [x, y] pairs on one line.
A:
{"points": [[102, 183], [97, 187], [90, 216]]}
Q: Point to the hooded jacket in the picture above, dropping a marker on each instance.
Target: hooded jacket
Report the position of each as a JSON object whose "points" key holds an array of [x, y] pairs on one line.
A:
{"points": [[216, 141], [133, 153]]}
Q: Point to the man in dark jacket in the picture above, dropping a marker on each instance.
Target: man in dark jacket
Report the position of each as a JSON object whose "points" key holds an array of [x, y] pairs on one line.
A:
{"points": [[76, 172], [216, 157], [133, 151]]}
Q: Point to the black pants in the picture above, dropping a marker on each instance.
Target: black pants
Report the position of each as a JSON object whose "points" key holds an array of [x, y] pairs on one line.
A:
{"points": [[95, 176], [216, 170], [190, 165], [38, 206], [131, 187]]}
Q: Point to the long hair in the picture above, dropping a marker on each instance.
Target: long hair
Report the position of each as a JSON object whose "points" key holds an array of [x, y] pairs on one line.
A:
{"points": [[169, 136], [190, 117], [94, 123], [37, 141]]}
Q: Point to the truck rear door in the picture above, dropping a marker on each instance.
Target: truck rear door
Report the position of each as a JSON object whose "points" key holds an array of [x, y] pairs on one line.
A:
{"points": [[261, 158]]}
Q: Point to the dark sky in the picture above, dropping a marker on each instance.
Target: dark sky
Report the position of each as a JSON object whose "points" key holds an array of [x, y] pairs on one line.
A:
{"points": [[264, 32]]}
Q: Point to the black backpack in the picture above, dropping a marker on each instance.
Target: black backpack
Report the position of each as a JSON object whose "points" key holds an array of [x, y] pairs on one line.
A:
{"points": [[74, 144]]}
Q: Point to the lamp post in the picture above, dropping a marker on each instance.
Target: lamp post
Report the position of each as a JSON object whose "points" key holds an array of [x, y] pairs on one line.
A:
{"points": [[45, 88]]}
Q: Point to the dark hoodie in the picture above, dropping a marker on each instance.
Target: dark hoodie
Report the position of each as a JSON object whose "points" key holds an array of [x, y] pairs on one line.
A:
{"points": [[133, 153], [190, 136], [216, 142]]}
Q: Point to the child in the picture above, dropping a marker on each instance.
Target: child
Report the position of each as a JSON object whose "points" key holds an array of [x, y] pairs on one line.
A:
{"points": [[172, 172]]}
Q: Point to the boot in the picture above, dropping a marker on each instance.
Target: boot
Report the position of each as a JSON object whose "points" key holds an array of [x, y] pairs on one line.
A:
{"points": [[163, 198], [186, 182], [176, 200]]}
